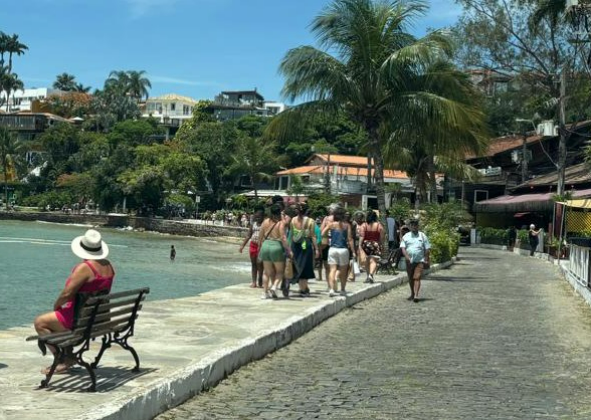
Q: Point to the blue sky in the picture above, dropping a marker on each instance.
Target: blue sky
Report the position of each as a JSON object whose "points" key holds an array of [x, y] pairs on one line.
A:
{"points": [[190, 47]]}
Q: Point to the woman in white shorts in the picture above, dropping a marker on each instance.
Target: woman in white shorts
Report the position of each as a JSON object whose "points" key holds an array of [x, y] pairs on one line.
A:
{"points": [[338, 253]]}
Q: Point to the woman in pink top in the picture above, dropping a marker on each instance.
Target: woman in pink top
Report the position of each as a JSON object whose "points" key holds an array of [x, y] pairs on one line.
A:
{"points": [[94, 274], [371, 240]]}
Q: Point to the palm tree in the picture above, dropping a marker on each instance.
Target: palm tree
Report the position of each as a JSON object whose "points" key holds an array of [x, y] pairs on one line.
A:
{"points": [[65, 82], [81, 88], [373, 69], [14, 46], [10, 151], [3, 47], [10, 83], [425, 150], [553, 10], [138, 85], [118, 80], [132, 83], [255, 157]]}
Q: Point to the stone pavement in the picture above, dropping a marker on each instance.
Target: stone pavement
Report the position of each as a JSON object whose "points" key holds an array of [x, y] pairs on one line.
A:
{"points": [[498, 336]]}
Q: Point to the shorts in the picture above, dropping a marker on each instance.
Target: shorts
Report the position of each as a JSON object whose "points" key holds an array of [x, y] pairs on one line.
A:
{"points": [[338, 256], [253, 250], [414, 270], [372, 249], [272, 251]]}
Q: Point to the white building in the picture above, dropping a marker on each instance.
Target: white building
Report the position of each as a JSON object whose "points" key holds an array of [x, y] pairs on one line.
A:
{"points": [[273, 108], [22, 100], [170, 109]]}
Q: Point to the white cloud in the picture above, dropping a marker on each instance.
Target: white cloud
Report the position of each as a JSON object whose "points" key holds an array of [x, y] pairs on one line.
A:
{"points": [[140, 8], [176, 81]]}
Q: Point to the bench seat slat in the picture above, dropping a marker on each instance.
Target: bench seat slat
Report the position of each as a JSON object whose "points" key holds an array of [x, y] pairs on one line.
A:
{"points": [[103, 307], [118, 295], [106, 315]]}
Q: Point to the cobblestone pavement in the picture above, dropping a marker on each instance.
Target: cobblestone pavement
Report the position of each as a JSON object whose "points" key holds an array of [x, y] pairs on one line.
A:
{"points": [[498, 336]]}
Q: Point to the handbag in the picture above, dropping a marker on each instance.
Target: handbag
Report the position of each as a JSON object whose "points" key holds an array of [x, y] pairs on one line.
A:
{"points": [[356, 269], [288, 274]]}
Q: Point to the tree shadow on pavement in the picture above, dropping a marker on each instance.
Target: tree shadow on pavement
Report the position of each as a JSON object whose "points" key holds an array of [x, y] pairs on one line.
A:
{"points": [[107, 379]]}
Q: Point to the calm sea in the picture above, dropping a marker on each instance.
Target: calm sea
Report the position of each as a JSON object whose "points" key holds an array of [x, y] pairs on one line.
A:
{"points": [[35, 260]]}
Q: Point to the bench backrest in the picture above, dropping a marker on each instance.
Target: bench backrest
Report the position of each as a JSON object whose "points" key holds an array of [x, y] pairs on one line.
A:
{"points": [[115, 312]]}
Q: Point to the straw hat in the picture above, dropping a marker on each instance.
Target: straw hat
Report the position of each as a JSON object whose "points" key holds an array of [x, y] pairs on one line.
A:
{"points": [[90, 246]]}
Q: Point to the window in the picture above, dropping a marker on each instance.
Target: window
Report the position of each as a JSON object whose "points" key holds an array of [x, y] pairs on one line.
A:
{"points": [[186, 110], [173, 106]]}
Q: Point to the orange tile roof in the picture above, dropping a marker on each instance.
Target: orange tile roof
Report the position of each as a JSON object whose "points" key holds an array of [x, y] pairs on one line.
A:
{"points": [[341, 159], [341, 170]]}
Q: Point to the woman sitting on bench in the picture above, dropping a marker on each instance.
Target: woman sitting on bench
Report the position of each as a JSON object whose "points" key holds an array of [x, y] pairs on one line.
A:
{"points": [[94, 274]]}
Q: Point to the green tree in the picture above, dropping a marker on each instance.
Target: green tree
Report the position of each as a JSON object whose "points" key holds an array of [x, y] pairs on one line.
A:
{"points": [[10, 83], [255, 157], [376, 76], [14, 46], [10, 151], [65, 82], [132, 83]]}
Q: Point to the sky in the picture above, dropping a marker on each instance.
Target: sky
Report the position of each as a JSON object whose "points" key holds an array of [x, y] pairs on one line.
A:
{"points": [[194, 48]]}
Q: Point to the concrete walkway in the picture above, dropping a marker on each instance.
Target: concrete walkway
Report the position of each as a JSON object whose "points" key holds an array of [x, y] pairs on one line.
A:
{"points": [[185, 346], [499, 336]]}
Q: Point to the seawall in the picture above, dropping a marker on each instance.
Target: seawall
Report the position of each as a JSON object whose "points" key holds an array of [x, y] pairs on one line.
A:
{"points": [[172, 227]]}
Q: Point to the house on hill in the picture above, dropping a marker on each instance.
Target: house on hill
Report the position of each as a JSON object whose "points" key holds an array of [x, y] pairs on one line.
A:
{"points": [[345, 176]]}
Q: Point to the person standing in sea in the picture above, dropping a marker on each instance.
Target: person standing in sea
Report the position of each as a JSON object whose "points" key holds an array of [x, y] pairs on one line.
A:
{"points": [[172, 253]]}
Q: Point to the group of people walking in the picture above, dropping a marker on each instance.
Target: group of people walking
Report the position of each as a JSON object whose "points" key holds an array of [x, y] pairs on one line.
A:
{"points": [[287, 244]]}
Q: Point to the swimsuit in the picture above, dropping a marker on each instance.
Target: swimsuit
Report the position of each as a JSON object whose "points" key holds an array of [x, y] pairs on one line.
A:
{"points": [[65, 314], [254, 241]]}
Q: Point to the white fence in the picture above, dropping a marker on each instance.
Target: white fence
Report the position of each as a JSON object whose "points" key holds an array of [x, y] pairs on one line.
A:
{"points": [[579, 264]]}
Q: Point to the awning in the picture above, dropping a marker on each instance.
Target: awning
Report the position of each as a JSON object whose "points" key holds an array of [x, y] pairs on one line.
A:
{"points": [[583, 203], [523, 203]]}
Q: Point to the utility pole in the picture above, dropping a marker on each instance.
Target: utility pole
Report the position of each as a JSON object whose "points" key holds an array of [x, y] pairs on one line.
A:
{"points": [[563, 134]]}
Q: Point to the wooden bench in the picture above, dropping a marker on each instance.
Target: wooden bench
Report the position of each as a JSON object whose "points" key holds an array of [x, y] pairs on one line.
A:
{"points": [[110, 316]]}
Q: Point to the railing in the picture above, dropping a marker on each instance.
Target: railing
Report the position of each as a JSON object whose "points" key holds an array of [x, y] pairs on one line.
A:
{"points": [[579, 260]]}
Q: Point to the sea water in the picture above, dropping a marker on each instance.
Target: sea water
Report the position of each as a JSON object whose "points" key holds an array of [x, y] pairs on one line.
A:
{"points": [[36, 259]]}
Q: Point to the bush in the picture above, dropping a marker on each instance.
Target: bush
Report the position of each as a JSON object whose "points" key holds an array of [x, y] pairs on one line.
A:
{"points": [[442, 246], [494, 236], [54, 199]]}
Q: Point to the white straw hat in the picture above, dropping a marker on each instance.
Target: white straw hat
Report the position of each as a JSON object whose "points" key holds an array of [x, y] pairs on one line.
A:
{"points": [[90, 246]]}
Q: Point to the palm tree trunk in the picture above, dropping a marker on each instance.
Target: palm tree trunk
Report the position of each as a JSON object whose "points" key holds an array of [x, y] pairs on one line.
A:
{"points": [[254, 186], [432, 179], [5, 185], [9, 63], [376, 153]]}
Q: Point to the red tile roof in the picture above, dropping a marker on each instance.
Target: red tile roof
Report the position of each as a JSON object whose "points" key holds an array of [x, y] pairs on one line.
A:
{"points": [[341, 170]]}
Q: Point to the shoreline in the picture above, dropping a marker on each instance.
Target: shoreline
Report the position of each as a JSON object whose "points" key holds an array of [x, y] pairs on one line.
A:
{"points": [[133, 223]]}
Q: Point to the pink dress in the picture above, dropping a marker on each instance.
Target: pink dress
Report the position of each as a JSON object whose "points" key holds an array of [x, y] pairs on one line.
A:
{"points": [[65, 314]]}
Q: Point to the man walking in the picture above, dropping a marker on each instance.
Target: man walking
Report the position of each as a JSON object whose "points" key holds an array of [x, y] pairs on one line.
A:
{"points": [[415, 247], [392, 231]]}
